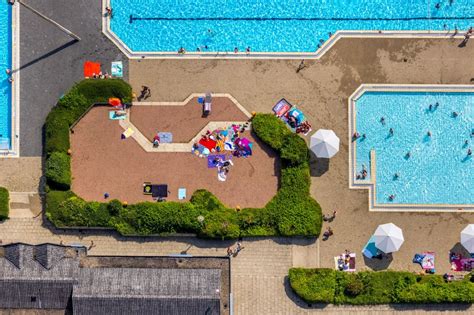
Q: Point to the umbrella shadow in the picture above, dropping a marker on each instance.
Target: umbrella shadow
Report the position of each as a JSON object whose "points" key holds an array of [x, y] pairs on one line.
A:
{"points": [[458, 249], [378, 264], [317, 166]]}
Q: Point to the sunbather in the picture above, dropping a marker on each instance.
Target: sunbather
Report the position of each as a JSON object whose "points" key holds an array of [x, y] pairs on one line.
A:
{"points": [[156, 141]]}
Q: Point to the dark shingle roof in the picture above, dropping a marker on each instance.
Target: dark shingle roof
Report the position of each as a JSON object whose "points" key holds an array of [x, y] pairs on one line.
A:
{"points": [[48, 255], [43, 294], [148, 306], [152, 291], [12, 254], [53, 277]]}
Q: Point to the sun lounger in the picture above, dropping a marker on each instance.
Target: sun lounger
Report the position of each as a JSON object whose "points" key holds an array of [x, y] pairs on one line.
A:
{"points": [[282, 107], [206, 108]]}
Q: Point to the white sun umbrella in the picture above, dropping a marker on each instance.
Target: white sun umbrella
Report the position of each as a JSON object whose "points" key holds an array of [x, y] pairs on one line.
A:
{"points": [[467, 238], [324, 143], [388, 238]]}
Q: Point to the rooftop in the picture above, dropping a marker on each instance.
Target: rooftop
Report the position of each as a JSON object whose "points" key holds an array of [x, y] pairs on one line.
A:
{"points": [[49, 276]]}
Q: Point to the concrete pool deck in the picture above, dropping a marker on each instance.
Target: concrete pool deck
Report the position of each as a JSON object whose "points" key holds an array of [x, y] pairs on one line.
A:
{"points": [[322, 90]]}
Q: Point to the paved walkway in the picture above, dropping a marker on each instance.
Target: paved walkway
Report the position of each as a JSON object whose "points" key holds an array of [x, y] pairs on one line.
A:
{"points": [[259, 283], [321, 90]]}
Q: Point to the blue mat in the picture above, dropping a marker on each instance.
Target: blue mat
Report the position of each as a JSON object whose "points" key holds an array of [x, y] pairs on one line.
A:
{"points": [[210, 159], [165, 137]]}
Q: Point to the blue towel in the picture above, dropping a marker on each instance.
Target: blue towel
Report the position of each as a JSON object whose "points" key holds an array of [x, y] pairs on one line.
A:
{"points": [[181, 193], [112, 116], [165, 137]]}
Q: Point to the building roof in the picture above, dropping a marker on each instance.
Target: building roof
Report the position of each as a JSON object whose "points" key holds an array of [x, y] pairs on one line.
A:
{"points": [[152, 291], [51, 276]]}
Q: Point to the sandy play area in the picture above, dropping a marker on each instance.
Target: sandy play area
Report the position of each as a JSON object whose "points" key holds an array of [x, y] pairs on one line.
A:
{"points": [[103, 162]]}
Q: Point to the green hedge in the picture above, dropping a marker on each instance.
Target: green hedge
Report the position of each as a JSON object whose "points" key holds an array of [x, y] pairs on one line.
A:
{"points": [[58, 170], [383, 287], [4, 203], [72, 105], [291, 212]]}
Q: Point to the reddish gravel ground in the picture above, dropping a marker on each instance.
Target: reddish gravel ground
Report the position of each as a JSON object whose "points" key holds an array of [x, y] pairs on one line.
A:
{"points": [[102, 162], [183, 121]]}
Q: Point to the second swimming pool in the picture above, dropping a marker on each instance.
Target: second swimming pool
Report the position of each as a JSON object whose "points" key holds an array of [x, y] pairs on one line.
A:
{"points": [[424, 160]]}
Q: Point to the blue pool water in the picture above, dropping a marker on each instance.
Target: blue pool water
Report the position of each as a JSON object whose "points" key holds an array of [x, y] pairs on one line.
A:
{"points": [[438, 170], [273, 25], [5, 62]]}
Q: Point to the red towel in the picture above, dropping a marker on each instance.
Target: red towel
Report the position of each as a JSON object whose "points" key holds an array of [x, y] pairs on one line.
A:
{"points": [[210, 144], [90, 68]]}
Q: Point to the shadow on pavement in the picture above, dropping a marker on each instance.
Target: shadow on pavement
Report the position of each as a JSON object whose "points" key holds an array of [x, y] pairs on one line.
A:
{"points": [[378, 264], [317, 166], [49, 54]]}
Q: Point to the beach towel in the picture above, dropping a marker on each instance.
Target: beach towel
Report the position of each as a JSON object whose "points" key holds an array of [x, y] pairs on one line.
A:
{"points": [[117, 69], [210, 144], [181, 193], [201, 151], [342, 264], [221, 176], [220, 145], [91, 68], [428, 262], [113, 116], [211, 158], [127, 133], [228, 146], [165, 137]]}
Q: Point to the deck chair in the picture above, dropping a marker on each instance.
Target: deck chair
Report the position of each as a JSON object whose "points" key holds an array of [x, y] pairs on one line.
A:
{"points": [[206, 107]]}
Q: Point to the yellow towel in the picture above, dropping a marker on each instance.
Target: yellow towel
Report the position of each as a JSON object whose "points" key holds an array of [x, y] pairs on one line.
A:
{"points": [[220, 145], [127, 133]]}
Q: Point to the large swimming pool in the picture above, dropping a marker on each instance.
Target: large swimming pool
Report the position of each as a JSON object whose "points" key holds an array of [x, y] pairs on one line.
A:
{"points": [[272, 25], [5, 63], [437, 169]]}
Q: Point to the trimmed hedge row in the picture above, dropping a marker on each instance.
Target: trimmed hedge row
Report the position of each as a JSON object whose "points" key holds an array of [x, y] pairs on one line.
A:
{"points": [[372, 287], [4, 203], [291, 212], [69, 108]]}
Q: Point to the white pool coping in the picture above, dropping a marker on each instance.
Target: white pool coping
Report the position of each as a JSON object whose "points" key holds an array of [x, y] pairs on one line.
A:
{"points": [[14, 150], [325, 47], [371, 183]]}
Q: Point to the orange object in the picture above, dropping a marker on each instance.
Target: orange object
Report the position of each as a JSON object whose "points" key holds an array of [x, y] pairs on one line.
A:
{"points": [[113, 101], [91, 68]]}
